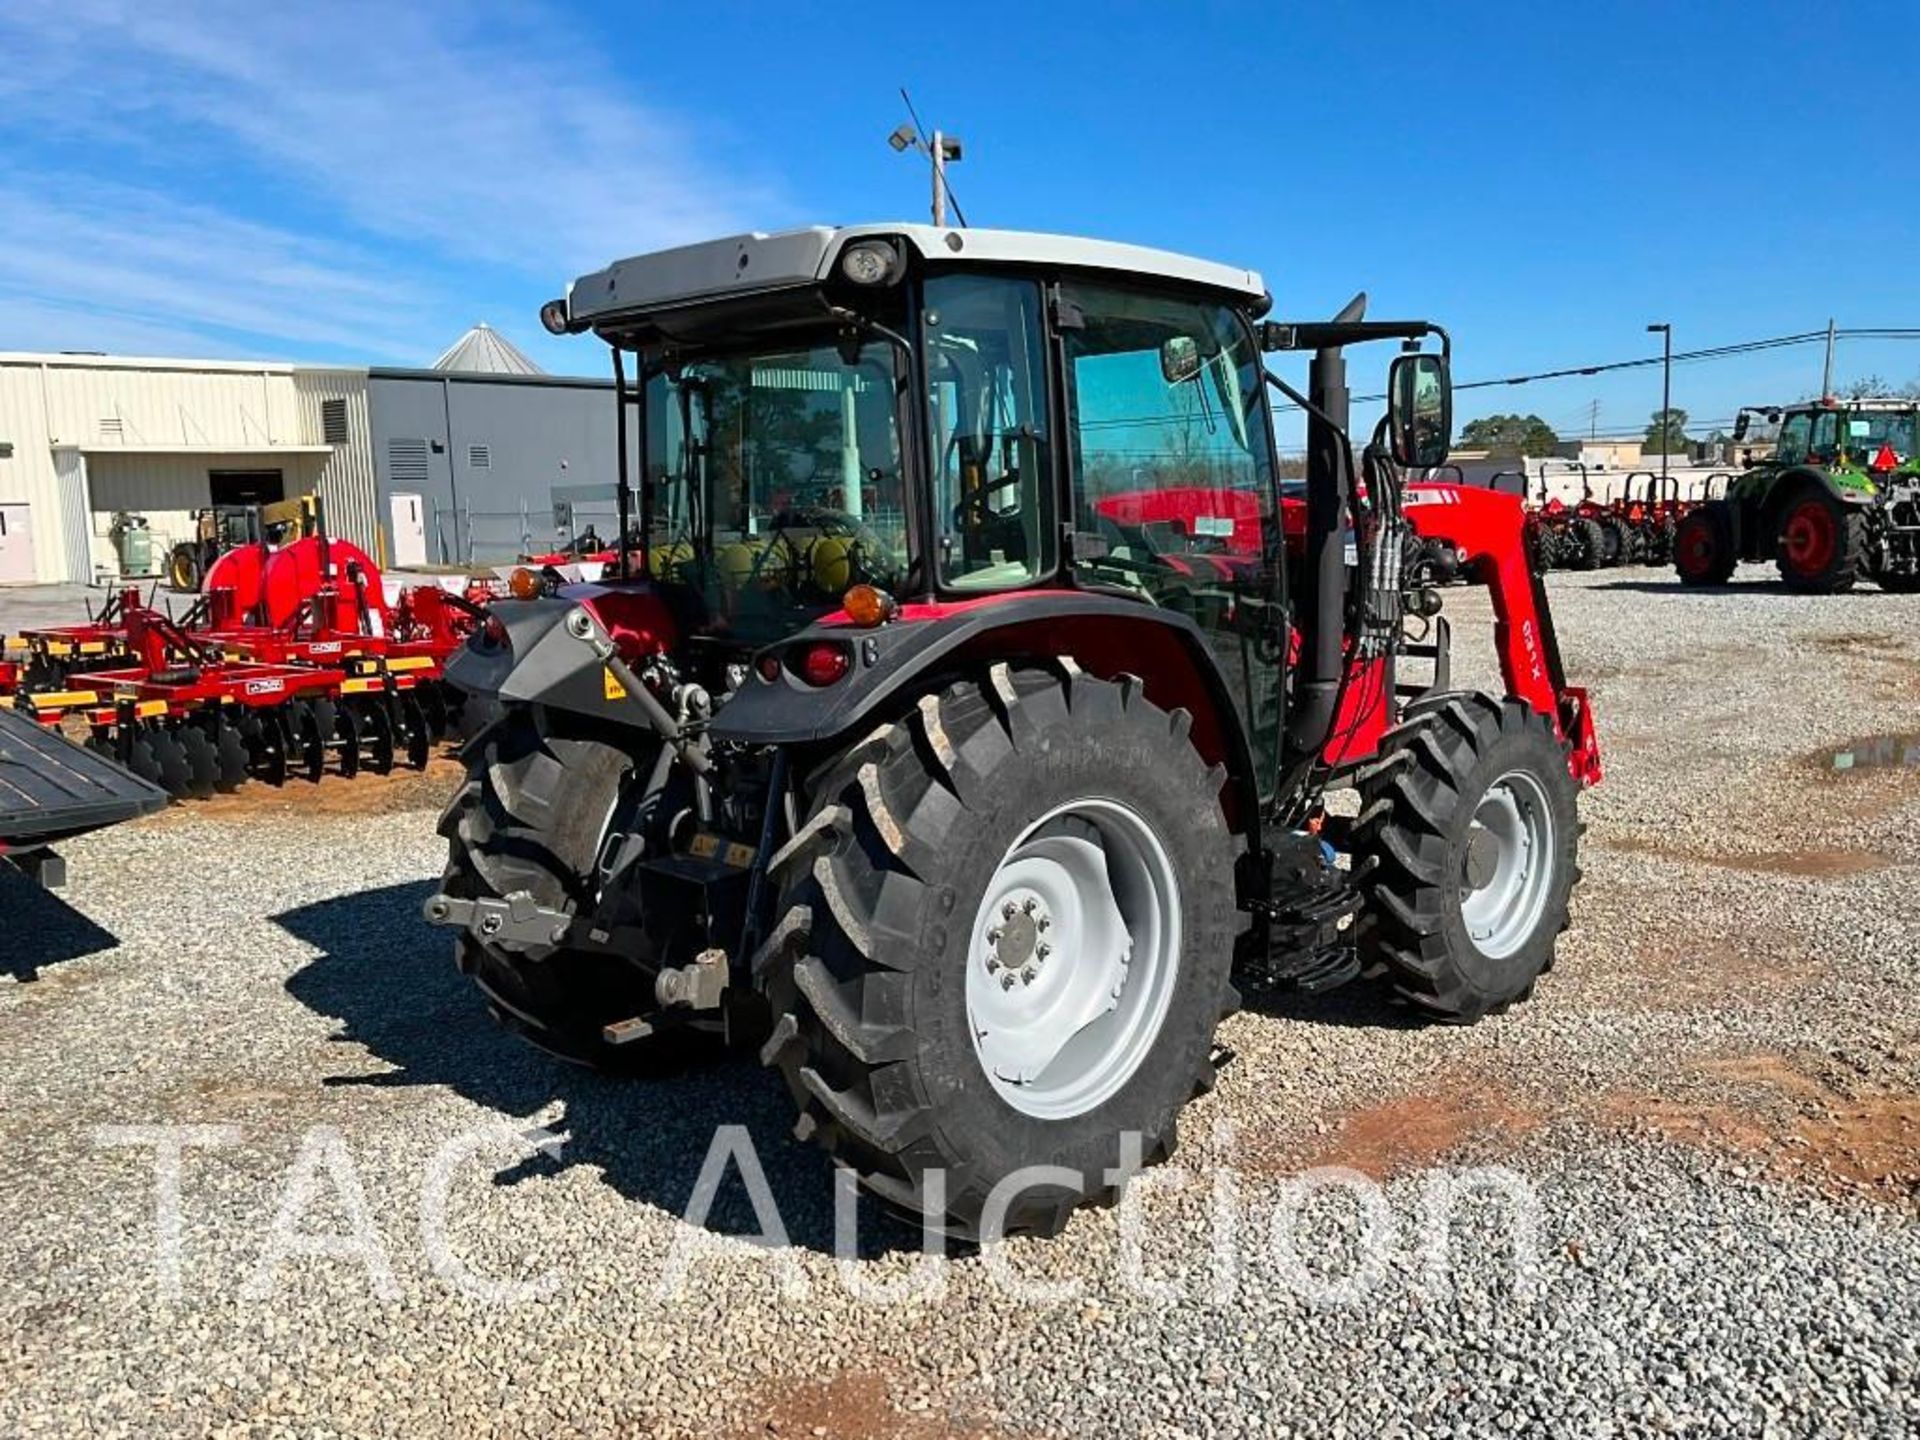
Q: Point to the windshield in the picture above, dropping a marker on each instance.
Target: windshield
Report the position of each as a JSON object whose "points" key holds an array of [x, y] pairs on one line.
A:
{"points": [[1874, 430], [776, 482]]}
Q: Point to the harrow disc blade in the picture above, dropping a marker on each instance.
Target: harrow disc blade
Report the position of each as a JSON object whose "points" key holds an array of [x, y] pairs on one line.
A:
{"points": [[230, 757], [376, 732], [433, 704], [347, 734], [419, 746], [175, 778], [266, 741], [203, 768], [309, 745], [141, 760]]}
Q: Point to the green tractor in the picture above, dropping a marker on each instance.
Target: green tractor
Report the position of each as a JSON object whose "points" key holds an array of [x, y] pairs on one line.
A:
{"points": [[1837, 501]]}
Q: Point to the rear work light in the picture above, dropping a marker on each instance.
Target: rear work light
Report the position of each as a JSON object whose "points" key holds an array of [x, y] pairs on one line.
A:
{"points": [[822, 663]]}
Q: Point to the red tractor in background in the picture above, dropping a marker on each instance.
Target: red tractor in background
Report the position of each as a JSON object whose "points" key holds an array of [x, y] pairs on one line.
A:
{"points": [[975, 819]]}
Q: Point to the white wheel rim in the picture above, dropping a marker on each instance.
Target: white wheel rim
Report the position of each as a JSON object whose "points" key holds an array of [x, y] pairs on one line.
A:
{"points": [[1072, 958], [1507, 868]]}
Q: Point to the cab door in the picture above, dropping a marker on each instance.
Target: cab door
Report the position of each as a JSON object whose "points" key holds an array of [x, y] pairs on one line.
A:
{"points": [[1172, 483]]}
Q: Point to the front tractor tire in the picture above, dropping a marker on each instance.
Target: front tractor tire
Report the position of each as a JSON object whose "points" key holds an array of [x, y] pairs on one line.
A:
{"points": [[1703, 552], [1468, 836], [1822, 542], [1005, 937], [531, 818]]}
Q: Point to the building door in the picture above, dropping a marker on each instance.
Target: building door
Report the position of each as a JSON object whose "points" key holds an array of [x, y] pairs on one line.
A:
{"points": [[409, 530], [16, 544], [246, 487]]}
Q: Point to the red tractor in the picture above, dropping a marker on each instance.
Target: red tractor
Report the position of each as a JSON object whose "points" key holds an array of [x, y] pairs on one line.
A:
{"points": [[964, 727]]}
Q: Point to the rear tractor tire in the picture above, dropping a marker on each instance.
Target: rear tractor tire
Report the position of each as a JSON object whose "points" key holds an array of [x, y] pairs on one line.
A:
{"points": [[1006, 930], [1822, 543], [533, 815], [1587, 543], [1703, 546], [1470, 830]]}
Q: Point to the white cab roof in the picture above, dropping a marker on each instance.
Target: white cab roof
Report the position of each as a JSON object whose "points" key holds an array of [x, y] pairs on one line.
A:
{"points": [[759, 262]]}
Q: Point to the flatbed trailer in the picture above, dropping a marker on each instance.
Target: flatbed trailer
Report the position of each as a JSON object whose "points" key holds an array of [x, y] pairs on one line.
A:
{"points": [[52, 790]]}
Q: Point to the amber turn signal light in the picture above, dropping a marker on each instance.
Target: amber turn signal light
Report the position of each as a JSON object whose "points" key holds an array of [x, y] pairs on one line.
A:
{"points": [[524, 584], [868, 606]]}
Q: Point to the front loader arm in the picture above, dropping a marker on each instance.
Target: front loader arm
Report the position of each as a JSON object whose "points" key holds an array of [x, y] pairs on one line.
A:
{"points": [[1486, 528]]}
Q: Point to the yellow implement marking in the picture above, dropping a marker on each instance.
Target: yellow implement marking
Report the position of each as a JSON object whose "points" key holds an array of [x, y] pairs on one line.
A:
{"points": [[358, 687], [410, 662], [613, 689], [60, 699]]}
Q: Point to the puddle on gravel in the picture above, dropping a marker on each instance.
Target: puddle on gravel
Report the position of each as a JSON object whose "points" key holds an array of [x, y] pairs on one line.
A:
{"points": [[1899, 751]]}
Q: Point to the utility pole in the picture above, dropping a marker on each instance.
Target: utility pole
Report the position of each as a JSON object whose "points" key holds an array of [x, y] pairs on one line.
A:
{"points": [[1826, 374], [940, 150], [1666, 401], [939, 178]]}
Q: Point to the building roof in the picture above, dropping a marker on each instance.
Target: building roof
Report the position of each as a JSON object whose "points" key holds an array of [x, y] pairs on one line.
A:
{"points": [[745, 264], [484, 350]]}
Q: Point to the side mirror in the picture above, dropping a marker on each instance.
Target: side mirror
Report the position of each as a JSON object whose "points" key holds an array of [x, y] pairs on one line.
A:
{"points": [[1179, 358], [1419, 410]]}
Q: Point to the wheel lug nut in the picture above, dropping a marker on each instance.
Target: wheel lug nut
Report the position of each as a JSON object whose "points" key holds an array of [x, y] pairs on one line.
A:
{"points": [[1028, 975], [1043, 923], [993, 936], [1031, 905], [1043, 950], [1009, 910], [1006, 980]]}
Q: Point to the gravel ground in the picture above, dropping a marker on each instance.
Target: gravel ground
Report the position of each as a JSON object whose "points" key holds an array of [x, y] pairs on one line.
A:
{"points": [[1708, 1115]]}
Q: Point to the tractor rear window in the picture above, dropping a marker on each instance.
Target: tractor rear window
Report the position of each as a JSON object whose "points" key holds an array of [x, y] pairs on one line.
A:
{"points": [[777, 483]]}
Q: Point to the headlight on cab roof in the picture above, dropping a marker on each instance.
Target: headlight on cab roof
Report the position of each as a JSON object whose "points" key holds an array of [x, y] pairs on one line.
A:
{"points": [[871, 263]]}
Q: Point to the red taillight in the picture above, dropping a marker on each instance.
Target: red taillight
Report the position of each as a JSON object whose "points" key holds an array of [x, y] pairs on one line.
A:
{"points": [[769, 668], [823, 664], [494, 633]]}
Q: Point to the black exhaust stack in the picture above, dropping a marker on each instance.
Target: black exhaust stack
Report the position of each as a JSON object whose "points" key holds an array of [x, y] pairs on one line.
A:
{"points": [[1329, 486]]}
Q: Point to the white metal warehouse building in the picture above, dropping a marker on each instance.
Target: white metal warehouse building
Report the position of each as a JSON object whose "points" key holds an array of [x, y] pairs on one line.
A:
{"points": [[467, 462], [85, 436]]}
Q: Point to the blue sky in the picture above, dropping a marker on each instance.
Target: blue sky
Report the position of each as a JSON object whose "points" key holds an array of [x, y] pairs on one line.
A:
{"points": [[360, 182]]}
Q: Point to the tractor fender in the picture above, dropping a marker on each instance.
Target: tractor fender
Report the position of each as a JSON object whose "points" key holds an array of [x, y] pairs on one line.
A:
{"points": [[540, 663], [1796, 482], [892, 665]]}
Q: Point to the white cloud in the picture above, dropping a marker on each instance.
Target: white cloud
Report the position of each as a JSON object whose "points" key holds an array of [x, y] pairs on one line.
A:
{"points": [[92, 267], [415, 162]]}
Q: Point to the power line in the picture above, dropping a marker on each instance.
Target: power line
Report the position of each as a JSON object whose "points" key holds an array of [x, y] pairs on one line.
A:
{"points": [[1714, 352]]}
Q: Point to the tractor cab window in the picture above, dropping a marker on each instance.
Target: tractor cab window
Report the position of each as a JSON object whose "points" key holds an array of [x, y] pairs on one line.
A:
{"points": [[1826, 437], [987, 413], [1795, 434], [1874, 431], [1173, 494], [776, 482], [1171, 490]]}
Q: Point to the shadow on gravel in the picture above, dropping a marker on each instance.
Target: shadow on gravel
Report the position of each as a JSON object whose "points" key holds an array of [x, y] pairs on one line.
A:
{"points": [[1672, 586], [1357, 1005], [42, 929], [389, 977]]}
